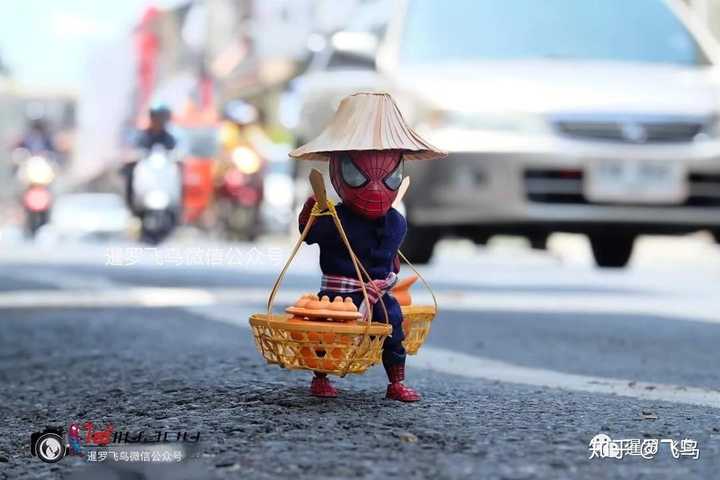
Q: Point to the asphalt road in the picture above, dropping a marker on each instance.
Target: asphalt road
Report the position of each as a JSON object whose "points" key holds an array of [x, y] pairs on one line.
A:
{"points": [[530, 357]]}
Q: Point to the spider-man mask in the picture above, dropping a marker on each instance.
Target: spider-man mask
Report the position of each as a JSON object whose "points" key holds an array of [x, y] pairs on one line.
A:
{"points": [[367, 181]]}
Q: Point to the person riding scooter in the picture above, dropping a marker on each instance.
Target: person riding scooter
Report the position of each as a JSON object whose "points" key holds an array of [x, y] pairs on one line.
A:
{"points": [[35, 163], [37, 138], [154, 181], [155, 134]]}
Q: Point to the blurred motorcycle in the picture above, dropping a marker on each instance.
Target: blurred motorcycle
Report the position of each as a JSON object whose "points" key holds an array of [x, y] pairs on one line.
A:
{"points": [[240, 172], [36, 173], [240, 193], [157, 193], [198, 148]]}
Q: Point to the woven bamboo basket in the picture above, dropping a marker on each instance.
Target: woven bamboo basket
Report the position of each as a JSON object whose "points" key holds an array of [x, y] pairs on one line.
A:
{"points": [[334, 348], [328, 347], [416, 325]]}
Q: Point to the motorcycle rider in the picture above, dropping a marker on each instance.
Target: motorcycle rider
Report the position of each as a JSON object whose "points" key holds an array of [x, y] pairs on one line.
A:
{"points": [[36, 140], [155, 134], [35, 163], [37, 137]]}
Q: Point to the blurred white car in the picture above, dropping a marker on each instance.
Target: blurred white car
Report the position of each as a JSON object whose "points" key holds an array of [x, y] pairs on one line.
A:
{"points": [[95, 216], [340, 63], [278, 186], [600, 118]]}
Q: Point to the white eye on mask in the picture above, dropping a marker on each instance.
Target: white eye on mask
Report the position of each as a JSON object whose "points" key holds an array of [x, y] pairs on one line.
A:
{"points": [[394, 179]]}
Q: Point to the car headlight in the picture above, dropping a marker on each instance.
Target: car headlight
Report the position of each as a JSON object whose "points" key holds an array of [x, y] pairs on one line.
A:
{"points": [[508, 122], [246, 160], [38, 171]]}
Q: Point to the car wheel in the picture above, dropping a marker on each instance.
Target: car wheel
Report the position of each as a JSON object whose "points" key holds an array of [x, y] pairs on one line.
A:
{"points": [[612, 251], [480, 239], [538, 241], [419, 244]]}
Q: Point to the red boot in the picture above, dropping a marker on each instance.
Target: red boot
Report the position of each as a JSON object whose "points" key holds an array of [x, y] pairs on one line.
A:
{"points": [[321, 387], [396, 390]]}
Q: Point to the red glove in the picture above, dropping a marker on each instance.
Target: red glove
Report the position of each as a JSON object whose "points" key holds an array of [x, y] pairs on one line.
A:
{"points": [[305, 212]]}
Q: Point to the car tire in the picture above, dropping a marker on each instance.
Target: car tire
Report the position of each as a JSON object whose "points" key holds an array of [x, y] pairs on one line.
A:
{"points": [[419, 244], [480, 239], [612, 251], [538, 241]]}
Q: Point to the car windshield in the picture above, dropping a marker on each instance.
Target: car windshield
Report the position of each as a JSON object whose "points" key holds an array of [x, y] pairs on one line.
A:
{"points": [[439, 31]]}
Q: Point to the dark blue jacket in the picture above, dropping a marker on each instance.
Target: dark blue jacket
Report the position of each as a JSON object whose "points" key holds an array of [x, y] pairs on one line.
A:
{"points": [[147, 139], [375, 242]]}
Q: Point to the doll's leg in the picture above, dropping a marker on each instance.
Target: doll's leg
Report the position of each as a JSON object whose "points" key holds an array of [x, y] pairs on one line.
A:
{"points": [[321, 386], [394, 358], [396, 390]]}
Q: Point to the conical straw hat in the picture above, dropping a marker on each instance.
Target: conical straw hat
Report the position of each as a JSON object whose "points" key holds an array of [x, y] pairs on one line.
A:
{"points": [[368, 121]]}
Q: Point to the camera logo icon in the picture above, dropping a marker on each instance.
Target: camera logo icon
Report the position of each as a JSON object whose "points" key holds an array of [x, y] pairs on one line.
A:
{"points": [[49, 445]]}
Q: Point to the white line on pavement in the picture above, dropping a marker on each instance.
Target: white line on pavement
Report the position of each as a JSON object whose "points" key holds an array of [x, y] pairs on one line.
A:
{"points": [[454, 363], [460, 364], [117, 297], [213, 304], [703, 309]]}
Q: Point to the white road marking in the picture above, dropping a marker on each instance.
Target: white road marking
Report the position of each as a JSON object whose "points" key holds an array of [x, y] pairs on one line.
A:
{"points": [[679, 308], [699, 309], [464, 365], [126, 297], [454, 363], [223, 304]]}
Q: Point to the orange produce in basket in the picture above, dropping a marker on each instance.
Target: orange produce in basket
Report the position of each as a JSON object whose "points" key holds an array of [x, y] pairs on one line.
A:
{"points": [[330, 364], [310, 307], [312, 355], [401, 290]]}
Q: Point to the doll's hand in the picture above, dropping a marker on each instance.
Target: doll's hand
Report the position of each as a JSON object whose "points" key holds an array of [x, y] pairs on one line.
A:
{"points": [[305, 212]]}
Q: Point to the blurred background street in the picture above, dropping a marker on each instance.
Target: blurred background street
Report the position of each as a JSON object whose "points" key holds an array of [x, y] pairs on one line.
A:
{"points": [[147, 204]]}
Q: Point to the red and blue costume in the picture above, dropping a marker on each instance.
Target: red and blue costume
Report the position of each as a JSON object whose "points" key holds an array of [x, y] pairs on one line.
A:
{"points": [[366, 143], [367, 181]]}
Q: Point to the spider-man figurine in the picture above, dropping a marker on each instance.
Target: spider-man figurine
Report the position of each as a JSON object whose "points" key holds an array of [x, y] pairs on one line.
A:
{"points": [[366, 174], [75, 440]]}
